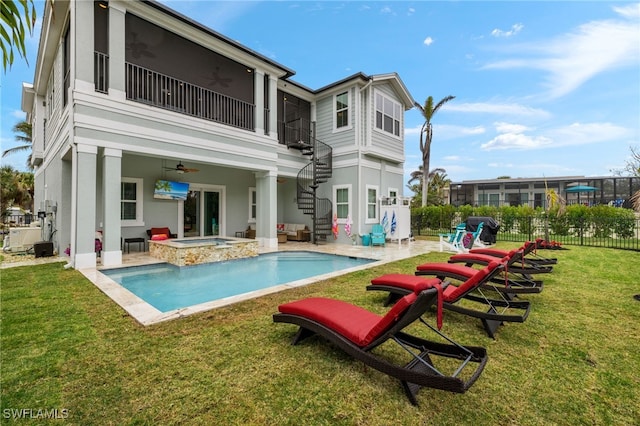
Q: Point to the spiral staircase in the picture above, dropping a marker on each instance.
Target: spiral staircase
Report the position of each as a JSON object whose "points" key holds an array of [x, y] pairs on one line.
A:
{"points": [[299, 135]]}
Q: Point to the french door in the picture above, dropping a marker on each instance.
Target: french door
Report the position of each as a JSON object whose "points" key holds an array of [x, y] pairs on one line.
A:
{"points": [[203, 211]]}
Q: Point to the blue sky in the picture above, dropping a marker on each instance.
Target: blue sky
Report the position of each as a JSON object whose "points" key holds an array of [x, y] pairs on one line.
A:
{"points": [[541, 88]]}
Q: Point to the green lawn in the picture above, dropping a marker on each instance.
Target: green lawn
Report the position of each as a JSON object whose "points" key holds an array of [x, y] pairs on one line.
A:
{"points": [[66, 346]]}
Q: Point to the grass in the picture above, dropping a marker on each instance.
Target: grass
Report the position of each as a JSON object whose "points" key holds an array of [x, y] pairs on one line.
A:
{"points": [[67, 346]]}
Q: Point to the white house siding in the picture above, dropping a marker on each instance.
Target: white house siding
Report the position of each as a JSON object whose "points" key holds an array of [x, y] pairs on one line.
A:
{"points": [[382, 143], [325, 110]]}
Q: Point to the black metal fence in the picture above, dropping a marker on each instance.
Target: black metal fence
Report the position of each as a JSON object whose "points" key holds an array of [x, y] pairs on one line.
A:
{"points": [[17, 220], [596, 232]]}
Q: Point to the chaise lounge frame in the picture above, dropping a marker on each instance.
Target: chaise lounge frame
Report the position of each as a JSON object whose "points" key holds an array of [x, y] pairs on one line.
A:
{"points": [[499, 310], [502, 283], [529, 253], [420, 371]]}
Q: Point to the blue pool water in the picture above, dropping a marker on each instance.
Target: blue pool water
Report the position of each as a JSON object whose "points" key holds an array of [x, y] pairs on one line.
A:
{"points": [[217, 241], [167, 287]]}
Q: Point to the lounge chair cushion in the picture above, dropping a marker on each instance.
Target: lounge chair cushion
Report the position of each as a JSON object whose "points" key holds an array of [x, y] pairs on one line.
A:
{"points": [[453, 293], [160, 231], [409, 282], [159, 237], [354, 323], [415, 284], [449, 267]]}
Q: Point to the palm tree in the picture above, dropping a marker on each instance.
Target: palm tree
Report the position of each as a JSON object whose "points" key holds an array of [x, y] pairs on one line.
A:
{"points": [[16, 189], [438, 176], [426, 136], [13, 32], [23, 136]]}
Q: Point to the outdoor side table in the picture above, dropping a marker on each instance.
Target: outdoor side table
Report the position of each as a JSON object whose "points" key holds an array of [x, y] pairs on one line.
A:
{"points": [[139, 241]]}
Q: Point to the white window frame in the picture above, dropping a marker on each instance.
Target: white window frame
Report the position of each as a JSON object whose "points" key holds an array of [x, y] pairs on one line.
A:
{"points": [[376, 218], [336, 111], [138, 221], [397, 115], [335, 189], [393, 194], [252, 195]]}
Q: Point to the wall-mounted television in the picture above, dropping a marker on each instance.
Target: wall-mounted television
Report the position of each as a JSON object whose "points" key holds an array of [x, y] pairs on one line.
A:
{"points": [[169, 190]]}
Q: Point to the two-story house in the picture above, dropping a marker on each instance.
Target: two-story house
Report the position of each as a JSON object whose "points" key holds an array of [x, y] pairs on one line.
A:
{"points": [[130, 96]]}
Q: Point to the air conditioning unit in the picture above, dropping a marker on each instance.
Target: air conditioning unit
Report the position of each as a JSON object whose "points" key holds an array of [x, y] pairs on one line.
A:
{"points": [[22, 239]]}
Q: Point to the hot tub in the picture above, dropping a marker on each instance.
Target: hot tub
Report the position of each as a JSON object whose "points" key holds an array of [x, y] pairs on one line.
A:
{"points": [[197, 250]]}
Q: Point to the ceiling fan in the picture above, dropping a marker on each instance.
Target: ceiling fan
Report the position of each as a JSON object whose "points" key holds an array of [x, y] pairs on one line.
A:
{"points": [[180, 168]]}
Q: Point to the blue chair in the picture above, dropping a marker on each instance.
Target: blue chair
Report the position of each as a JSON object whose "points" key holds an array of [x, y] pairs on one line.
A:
{"points": [[378, 236], [476, 242], [453, 241]]}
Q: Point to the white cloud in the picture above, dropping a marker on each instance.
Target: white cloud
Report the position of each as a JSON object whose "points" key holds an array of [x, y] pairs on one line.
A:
{"points": [[386, 10], [515, 29], [447, 131], [587, 133], [410, 11], [629, 11], [519, 137], [20, 115], [497, 108], [516, 141], [572, 59], [510, 128], [428, 41]]}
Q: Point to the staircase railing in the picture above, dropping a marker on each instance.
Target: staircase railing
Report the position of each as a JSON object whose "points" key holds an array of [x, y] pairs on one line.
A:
{"points": [[319, 170]]}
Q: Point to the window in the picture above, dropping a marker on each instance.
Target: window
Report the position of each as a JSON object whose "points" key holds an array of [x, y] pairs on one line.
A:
{"points": [[388, 115], [67, 67], [342, 202], [372, 204], [253, 209], [342, 111], [131, 202]]}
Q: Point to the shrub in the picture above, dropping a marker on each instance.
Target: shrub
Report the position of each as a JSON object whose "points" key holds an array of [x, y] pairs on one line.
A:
{"points": [[624, 223]]}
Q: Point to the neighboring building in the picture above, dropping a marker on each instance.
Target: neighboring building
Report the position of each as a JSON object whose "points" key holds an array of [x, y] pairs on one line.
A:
{"points": [[531, 191], [128, 93]]}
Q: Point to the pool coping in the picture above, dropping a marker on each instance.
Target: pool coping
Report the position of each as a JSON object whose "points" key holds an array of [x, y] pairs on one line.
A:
{"points": [[146, 314]]}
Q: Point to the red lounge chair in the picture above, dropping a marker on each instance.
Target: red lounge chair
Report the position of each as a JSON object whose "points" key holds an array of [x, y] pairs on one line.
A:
{"points": [[499, 310], [529, 249], [516, 262], [358, 331], [508, 283]]}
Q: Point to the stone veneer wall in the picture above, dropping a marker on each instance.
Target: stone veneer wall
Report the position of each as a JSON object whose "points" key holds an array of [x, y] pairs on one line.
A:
{"points": [[195, 255]]}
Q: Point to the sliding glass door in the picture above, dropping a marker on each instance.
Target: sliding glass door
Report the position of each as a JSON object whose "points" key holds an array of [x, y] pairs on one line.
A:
{"points": [[203, 211]]}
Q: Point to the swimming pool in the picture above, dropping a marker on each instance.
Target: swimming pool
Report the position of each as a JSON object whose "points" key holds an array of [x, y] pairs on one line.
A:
{"points": [[167, 287]]}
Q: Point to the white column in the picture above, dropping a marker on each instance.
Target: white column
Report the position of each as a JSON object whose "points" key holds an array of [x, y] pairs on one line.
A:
{"points": [[85, 206], [111, 173], [258, 95], [82, 41], [267, 209], [116, 50], [273, 107]]}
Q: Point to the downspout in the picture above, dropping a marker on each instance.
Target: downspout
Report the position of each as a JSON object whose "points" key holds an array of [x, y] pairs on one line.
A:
{"points": [[364, 128]]}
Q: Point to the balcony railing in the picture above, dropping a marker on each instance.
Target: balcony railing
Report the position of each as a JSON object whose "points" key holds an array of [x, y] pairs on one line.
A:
{"points": [[152, 88], [101, 72], [295, 133]]}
